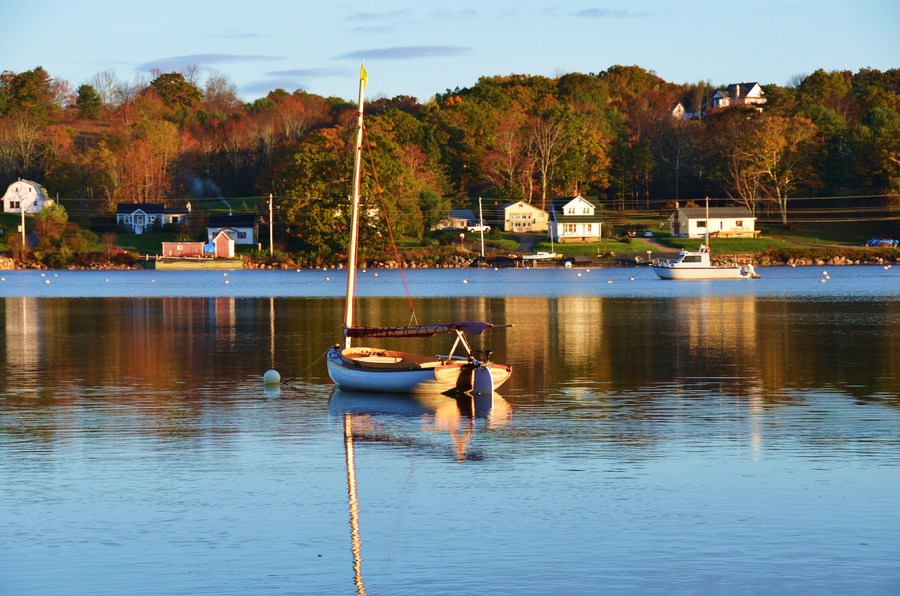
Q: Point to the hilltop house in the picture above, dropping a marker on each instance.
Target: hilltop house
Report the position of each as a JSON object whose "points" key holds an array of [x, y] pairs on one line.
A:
{"points": [[522, 217], [723, 222], [25, 193], [142, 217], [739, 94], [572, 219], [243, 229]]}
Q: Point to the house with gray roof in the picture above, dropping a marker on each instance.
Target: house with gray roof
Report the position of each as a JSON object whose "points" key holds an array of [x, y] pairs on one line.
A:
{"points": [[721, 222], [573, 219], [25, 194], [143, 217], [739, 94]]}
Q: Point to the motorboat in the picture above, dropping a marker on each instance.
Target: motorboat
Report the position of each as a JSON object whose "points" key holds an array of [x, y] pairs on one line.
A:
{"points": [[698, 265]]}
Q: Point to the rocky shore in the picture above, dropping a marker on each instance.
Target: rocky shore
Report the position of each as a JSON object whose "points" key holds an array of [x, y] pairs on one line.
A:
{"points": [[790, 257]]}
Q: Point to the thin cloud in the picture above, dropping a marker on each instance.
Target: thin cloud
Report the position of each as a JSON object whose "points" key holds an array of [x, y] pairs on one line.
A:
{"points": [[406, 52], [377, 16], [308, 73], [263, 87], [606, 13], [291, 79], [175, 63]]}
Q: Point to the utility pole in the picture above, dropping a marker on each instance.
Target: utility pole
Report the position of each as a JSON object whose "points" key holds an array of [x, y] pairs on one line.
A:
{"points": [[271, 227], [481, 225]]}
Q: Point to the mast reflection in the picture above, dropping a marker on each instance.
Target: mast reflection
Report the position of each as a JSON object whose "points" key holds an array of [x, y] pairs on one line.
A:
{"points": [[361, 412]]}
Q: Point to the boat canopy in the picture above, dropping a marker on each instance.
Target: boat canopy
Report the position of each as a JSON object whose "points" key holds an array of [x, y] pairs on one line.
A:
{"points": [[470, 327]]}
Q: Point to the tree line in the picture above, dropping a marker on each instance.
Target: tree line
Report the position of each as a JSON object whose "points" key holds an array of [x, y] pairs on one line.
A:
{"points": [[611, 135]]}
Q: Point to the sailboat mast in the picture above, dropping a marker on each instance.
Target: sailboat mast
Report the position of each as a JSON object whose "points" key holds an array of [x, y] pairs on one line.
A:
{"points": [[354, 209]]}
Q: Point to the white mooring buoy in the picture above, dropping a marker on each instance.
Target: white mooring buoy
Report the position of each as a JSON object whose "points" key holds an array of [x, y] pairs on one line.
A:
{"points": [[272, 377]]}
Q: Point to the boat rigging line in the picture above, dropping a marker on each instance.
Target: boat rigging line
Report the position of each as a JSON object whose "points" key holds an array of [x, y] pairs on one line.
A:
{"points": [[387, 220]]}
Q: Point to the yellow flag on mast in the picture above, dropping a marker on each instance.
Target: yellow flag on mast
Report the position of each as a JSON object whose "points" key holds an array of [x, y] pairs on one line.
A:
{"points": [[363, 75]]}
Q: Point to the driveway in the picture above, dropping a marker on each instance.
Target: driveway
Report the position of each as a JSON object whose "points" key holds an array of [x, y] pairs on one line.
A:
{"points": [[527, 242]]}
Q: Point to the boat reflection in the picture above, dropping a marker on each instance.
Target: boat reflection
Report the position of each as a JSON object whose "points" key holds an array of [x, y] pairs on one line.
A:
{"points": [[371, 414], [366, 418]]}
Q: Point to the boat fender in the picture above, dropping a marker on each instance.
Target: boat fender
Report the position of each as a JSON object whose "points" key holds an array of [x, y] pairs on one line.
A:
{"points": [[749, 271], [483, 383]]}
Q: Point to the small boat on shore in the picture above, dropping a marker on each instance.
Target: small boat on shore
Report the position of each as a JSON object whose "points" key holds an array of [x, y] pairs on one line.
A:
{"points": [[540, 256], [698, 265]]}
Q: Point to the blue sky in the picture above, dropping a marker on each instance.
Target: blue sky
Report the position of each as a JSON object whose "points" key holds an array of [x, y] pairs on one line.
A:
{"points": [[422, 48]]}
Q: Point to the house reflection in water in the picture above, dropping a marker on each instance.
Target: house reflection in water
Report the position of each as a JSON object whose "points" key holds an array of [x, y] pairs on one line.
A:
{"points": [[22, 334]]}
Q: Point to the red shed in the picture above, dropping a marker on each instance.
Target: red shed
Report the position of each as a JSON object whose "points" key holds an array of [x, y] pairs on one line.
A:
{"points": [[224, 245], [182, 249]]}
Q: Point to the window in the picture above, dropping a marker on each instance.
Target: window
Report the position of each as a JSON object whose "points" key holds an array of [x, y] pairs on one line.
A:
{"points": [[242, 235], [570, 228], [701, 223], [739, 223], [588, 228]]}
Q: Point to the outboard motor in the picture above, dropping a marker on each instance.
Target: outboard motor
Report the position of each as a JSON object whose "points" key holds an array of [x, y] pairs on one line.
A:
{"points": [[483, 381]]}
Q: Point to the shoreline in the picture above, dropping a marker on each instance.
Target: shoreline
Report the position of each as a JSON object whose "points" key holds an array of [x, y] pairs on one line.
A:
{"points": [[832, 256]]}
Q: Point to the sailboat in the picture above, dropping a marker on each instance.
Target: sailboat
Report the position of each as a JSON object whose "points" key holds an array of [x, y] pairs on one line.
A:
{"points": [[542, 255], [363, 368]]}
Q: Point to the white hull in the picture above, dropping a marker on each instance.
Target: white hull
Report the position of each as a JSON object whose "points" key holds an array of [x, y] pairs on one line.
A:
{"points": [[541, 256], [698, 265], [427, 377], [665, 272]]}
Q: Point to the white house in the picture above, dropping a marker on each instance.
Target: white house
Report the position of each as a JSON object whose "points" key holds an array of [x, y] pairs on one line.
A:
{"points": [[139, 217], [522, 217], [25, 193], [723, 222], [458, 218], [572, 219], [739, 94], [243, 229]]}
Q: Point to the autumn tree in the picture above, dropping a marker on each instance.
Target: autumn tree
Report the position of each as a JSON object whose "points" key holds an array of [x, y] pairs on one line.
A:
{"points": [[107, 86], [551, 137], [734, 153], [508, 163], [22, 146], [785, 148], [220, 94], [317, 187], [176, 91]]}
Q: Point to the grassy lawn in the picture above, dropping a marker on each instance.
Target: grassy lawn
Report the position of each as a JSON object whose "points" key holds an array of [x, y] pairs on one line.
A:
{"points": [[9, 222], [148, 243], [727, 245], [609, 246], [845, 233]]}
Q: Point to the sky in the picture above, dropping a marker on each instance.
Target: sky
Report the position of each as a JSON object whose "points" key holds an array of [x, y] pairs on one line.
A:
{"points": [[423, 48]]}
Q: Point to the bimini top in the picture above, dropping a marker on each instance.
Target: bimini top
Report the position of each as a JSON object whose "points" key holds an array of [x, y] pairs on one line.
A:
{"points": [[470, 327]]}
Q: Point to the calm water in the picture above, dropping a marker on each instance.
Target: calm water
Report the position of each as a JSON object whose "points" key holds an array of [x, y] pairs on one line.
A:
{"points": [[656, 437]]}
